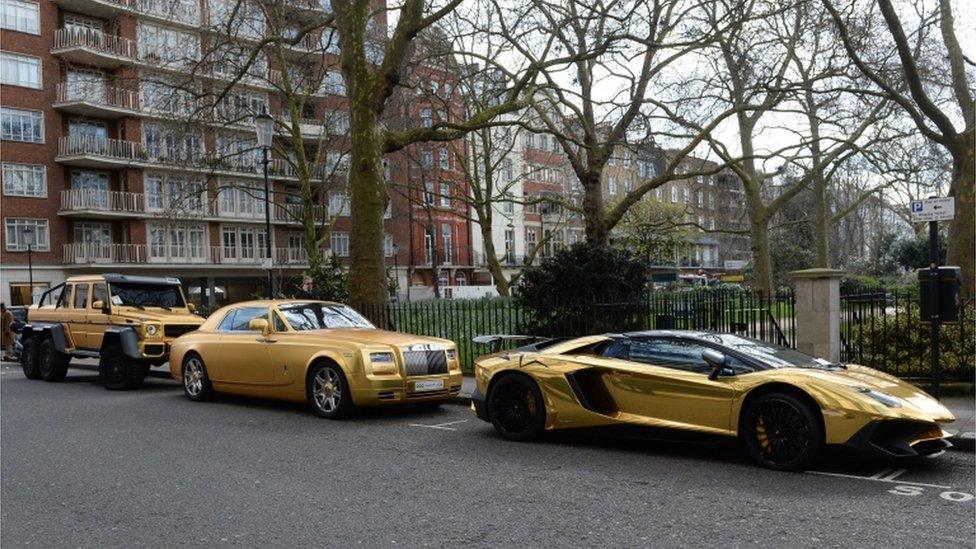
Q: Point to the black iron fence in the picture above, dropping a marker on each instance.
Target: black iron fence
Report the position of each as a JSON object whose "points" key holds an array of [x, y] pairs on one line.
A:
{"points": [[883, 330], [739, 311]]}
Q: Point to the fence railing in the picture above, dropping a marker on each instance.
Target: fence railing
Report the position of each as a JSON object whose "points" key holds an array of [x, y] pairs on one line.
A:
{"points": [[98, 93], [771, 319], [884, 330], [95, 40], [97, 252]]}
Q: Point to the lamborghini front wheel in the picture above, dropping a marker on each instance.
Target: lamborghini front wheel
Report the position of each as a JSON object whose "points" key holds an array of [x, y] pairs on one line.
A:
{"points": [[781, 431], [516, 408]]}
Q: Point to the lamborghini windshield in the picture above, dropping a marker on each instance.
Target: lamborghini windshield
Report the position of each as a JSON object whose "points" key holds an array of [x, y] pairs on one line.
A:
{"points": [[141, 295], [320, 316], [776, 356]]}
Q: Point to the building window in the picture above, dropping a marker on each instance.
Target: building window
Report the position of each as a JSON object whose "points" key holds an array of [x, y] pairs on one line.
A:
{"points": [[508, 204], [241, 199], [447, 234], [674, 194], [21, 125], [429, 193], [20, 70], [444, 160], [93, 241], [165, 45], [443, 279], [20, 293], [388, 248], [426, 117], [174, 192], [340, 244], [333, 83], [687, 195], [24, 180], [245, 243], [177, 242], [21, 16], [507, 171], [339, 204], [445, 198], [427, 158], [23, 231], [530, 239], [510, 246]]}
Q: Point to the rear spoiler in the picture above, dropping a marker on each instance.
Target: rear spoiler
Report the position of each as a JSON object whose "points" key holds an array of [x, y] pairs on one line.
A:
{"points": [[496, 340]]}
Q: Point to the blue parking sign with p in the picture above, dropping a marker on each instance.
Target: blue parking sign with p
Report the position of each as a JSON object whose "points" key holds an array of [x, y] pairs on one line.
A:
{"points": [[917, 206]]}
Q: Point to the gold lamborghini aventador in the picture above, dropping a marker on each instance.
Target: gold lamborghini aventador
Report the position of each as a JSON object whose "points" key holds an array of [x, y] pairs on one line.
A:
{"points": [[318, 352], [783, 405]]}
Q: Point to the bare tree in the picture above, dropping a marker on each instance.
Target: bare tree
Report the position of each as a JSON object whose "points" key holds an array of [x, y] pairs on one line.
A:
{"points": [[938, 102]]}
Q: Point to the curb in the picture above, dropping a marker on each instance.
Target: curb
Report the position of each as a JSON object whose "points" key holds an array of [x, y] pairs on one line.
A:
{"points": [[963, 442]]}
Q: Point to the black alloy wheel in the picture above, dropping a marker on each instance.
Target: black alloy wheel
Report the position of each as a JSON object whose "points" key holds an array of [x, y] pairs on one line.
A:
{"points": [[781, 432], [516, 408]]}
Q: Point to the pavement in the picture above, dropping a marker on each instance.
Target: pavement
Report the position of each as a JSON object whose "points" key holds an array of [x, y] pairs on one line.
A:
{"points": [[86, 467]]}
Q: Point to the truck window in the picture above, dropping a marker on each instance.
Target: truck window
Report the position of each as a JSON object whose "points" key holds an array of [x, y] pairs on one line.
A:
{"points": [[99, 294], [64, 299], [81, 296]]}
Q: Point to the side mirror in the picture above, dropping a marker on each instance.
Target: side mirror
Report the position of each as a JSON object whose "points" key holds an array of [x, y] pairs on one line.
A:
{"points": [[191, 307], [259, 325], [715, 359], [100, 305]]}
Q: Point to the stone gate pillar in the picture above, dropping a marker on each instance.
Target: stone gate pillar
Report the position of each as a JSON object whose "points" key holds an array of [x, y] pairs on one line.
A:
{"points": [[818, 312]]}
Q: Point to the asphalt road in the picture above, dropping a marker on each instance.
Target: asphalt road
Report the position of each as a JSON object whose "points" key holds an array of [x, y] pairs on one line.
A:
{"points": [[82, 466]]}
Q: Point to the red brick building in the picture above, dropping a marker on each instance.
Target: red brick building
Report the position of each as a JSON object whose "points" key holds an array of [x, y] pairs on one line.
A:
{"points": [[110, 163]]}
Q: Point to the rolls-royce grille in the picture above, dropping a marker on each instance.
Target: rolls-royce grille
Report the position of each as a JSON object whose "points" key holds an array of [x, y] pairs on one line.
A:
{"points": [[176, 330], [425, 363]]}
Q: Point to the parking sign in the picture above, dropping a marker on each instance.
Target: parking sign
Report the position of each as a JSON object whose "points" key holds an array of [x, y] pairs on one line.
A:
{"points": [[933, 209]]}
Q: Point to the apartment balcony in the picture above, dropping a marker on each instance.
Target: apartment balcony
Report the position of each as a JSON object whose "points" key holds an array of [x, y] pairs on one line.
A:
{"points": [[93, 48], [89, 253], [93, 152], [185, 14], [95, 203], [292, 214], [96, 99], [80, 254]]}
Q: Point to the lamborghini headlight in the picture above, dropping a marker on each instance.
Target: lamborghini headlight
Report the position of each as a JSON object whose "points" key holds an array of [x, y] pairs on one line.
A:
{"points": [[451, 354], [884, 398]]}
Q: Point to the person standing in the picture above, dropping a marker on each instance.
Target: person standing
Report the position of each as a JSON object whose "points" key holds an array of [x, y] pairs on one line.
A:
{"points": [[307, 290], [6, 332]]}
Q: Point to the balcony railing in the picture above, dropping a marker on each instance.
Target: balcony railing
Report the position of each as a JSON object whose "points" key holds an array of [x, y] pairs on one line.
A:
{"points": [[237, 256], [91, 252], [86, 145], [174, 10], [99, 200], [101, 42], [98, 93], [292, 213]]}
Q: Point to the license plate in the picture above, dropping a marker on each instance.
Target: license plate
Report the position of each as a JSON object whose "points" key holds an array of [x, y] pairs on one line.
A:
{"points": [[430, 385]]}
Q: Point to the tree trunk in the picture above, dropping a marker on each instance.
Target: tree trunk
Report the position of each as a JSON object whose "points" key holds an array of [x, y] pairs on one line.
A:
{"points": [[821, 217], [368, 199], [501, 283], [594, 216], [962, 242], [761, 259]]}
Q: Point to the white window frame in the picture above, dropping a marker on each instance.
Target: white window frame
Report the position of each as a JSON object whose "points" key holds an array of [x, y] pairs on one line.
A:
{"points": [[12, 57], [9, 167], [12, 229], [23, 112], [339, 243], [25, 5]]}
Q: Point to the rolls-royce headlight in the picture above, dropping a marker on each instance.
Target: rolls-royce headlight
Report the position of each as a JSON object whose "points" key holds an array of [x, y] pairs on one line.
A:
{"points": [[884, 398], [381, 358]]}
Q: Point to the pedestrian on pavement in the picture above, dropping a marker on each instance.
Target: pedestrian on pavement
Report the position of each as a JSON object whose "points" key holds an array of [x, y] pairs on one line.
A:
{"points": [[307, 290], [6, 333]]}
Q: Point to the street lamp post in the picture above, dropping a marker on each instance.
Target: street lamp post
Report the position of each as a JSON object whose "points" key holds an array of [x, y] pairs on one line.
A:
{"points": [[264, 126], [29, 232]]}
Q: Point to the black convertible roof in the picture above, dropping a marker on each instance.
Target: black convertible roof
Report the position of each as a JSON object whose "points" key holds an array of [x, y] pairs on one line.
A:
{"points": [[661, 333], [112, 278]]}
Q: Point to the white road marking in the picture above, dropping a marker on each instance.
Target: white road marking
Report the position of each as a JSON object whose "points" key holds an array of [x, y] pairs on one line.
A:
{"points": [[882, 473], [859, 477], [441, 426], [896, 474]]}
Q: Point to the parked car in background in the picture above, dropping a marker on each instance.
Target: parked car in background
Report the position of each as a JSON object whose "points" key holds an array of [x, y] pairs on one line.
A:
{"points": [[783, 405], [126, 322], [319, 352]]}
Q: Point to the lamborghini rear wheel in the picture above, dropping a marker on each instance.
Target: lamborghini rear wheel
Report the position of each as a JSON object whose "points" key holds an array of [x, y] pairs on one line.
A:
{"points": [[781, 432], [516, 408]]}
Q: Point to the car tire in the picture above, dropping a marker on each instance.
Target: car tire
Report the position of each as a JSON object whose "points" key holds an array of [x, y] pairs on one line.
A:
{"points": [[51, 363], [120, 372], [29, 358], [196, 383], [516, 408], [781, 432], [328, 392]]}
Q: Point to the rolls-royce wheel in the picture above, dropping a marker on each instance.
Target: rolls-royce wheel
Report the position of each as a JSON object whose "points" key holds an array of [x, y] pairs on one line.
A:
{"points": [[196, 384], [516, 408], [781, 432], [328, 392]]}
